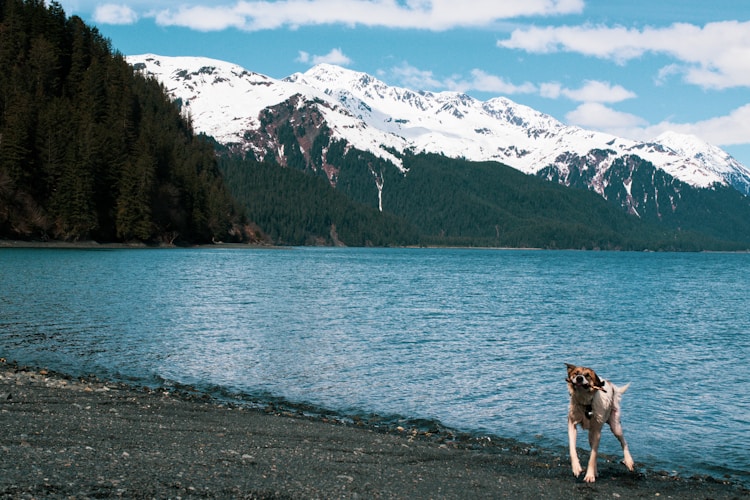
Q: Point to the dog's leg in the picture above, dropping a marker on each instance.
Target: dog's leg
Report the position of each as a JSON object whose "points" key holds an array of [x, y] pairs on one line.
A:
{"points": [[595, 435], [614, 424], [572, 438]]}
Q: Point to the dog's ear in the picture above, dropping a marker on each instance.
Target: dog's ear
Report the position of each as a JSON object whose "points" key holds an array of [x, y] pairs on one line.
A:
{"points": [[599, 382], [570, 372]]}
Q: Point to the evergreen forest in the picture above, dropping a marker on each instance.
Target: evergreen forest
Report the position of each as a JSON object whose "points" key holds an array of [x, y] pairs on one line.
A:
{"points": [[90, 150]]}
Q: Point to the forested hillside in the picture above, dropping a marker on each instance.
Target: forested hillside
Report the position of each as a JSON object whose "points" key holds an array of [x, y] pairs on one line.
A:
{"points": [[720, 212], [88, 150], [295, 208], [490, 204], [440, 202]]}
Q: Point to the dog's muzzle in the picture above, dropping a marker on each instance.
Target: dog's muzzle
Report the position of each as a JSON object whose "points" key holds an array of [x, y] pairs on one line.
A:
{"points": [[580, 382]]}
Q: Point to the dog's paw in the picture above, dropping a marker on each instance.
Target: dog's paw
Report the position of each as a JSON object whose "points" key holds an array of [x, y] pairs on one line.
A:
{"points": [[590, 476], [576, 469]]}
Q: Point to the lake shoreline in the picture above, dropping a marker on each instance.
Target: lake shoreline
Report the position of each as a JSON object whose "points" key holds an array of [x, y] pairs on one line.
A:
{"points": [[66, 436], [92, 245]]}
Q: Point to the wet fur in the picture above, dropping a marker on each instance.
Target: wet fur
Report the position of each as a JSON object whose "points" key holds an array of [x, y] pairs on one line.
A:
{"points": [[593, 402]]}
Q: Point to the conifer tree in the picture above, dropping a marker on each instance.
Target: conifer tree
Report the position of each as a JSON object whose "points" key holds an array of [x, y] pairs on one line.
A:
{"points": [[134, 203]]}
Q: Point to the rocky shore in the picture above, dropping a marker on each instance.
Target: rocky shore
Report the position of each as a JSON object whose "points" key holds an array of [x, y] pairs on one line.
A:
{"points": [[86, 438]]}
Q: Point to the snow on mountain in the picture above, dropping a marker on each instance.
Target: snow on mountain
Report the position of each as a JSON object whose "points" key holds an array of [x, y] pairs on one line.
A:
{"points": [[226, 101], [710, 157], [222, 99]]}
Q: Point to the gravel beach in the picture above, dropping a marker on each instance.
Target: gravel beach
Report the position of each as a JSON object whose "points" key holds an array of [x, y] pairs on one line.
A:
{"points": [[85, 438]]}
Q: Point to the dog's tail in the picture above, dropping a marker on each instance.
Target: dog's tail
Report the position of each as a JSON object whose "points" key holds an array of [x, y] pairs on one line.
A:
{"points": [[619, 391]]}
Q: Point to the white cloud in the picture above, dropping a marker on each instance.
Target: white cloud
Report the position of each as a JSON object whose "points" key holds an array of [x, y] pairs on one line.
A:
{"points": [[200, 18], [729, 130], [596, 91], [432, 15], [550, 90], [303, 57], [597, 116], [666, 72], [617, 43], [417, 79], [732, 129], [335, 56], [115, 14], [593, 91], [716, 55], [485, 82]]}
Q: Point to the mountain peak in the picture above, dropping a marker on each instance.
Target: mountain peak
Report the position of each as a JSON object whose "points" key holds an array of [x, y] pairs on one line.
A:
{"points": [[335, 71], [333, 76], [711, 157], [683, 143], [687, 144]]}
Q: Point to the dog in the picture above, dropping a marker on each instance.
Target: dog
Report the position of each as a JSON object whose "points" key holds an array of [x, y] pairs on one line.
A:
{"points": [[593, 402]]}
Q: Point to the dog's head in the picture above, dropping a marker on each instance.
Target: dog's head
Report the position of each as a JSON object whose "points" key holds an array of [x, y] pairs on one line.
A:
{"points": [[581, 378]]}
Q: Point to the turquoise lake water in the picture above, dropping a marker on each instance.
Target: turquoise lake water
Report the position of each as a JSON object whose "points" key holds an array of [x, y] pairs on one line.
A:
{"points": [[474, 339]]}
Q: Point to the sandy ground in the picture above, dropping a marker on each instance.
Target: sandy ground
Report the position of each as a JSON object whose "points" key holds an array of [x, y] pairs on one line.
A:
{"points": [[70, 438]]}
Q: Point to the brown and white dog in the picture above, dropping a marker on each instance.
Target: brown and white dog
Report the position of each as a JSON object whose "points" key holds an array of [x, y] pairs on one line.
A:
{"points": [[593, 402]]}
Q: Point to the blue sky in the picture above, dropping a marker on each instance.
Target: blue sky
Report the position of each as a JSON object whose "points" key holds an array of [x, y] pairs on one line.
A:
{"points": [[634, 68]]}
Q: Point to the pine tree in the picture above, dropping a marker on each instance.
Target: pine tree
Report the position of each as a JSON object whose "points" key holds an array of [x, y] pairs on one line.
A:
{"points": [[133, 205]]}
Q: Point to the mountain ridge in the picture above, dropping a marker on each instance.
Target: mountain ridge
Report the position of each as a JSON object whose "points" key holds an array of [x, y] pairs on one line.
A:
{"points": [[226, 101]]}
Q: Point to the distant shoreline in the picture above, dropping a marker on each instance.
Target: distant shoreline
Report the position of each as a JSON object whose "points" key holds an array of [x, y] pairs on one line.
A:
{"points": [[91, 244]]}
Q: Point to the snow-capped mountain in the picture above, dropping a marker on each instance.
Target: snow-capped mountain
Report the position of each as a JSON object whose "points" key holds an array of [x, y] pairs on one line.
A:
{"points": [[230, 103]]}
